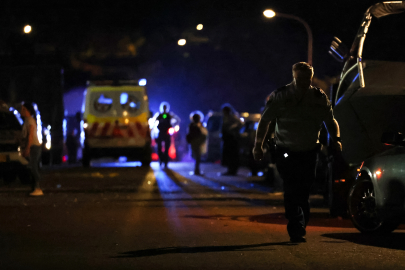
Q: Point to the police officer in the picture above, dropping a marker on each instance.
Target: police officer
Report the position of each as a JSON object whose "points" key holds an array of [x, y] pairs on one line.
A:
{"points": [[231, 125], [299, 110], [164, 136]]}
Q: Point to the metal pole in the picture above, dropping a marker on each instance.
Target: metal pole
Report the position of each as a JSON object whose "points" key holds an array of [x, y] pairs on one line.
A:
{"points": [[309, 32]]}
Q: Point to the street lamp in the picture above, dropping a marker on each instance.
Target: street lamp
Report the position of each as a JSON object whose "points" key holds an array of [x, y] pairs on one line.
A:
{"points": [[268, 13], [27, 29], [181, 42]]}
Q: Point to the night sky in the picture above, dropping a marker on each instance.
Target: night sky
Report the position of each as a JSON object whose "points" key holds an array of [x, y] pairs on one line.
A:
{"points": [[239, 57]]}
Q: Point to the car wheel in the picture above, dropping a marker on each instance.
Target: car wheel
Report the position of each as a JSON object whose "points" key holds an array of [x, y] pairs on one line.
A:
{"points": [[363, 212]]}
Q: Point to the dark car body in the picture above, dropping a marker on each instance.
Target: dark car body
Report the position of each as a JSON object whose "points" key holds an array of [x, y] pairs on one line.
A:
{"points": [[12, 164]]}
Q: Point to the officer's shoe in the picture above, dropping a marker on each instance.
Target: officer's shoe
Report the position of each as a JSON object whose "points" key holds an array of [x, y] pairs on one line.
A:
{"points": [[298, 239]]}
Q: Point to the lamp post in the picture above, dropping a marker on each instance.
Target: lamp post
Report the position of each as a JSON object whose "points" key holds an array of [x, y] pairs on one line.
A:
{"points": [[268, 13]]}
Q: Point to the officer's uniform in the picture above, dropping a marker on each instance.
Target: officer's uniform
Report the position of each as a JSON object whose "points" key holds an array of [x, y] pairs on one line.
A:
{"points": [[299, 116]]}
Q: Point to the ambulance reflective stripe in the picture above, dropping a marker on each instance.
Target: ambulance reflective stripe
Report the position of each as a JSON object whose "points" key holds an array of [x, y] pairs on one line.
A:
{"points": [[108, 129], [105, 129], [130, 132], [141, 130], [93, 129]]}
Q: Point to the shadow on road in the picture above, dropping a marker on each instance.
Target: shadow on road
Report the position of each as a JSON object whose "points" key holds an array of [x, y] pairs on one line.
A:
{"points": [[391, 241], [316, 219], [204, 249]]}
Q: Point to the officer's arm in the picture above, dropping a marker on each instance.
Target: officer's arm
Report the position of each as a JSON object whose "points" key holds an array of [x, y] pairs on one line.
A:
{"points": [[267, 117], [332, 127]]}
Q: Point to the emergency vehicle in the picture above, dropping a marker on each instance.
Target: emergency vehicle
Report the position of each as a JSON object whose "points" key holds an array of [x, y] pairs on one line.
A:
{"points": [[115, 121]]}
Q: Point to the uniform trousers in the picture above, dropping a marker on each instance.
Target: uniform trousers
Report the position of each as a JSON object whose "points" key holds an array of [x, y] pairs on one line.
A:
{"points": [[163, 156], [297, 169]]}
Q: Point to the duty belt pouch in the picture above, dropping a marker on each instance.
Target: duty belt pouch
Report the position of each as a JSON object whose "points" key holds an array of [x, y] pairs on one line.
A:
{"points": [[279, 153]]}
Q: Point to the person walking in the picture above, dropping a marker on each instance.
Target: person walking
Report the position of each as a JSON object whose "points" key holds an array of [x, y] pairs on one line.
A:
{"points": [[231, 126], [164, 136], [31, 148], [72, 145], [196, 137], [299, 109]]}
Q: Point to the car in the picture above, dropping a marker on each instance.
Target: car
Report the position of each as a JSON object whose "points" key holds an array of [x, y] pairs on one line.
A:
{"points": [[376, 201], [369, 99], [12, 163], [115, 121]]}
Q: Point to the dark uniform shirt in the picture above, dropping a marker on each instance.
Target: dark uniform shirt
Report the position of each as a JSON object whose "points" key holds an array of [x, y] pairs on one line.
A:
{"points": [[299, 115]]}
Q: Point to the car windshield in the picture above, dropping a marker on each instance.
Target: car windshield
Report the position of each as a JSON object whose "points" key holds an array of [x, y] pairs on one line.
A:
{"points": [[8, 121], [384, 40]]}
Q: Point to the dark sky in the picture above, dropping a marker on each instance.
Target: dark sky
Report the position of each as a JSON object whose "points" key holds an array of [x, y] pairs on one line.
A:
{"points": [[245, 59]]}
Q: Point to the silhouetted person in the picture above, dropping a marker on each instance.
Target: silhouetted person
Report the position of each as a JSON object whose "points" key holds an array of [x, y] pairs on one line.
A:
{"points": [[164, 125], [299, 110], [231, 126], [71, 146], [196, 137]]}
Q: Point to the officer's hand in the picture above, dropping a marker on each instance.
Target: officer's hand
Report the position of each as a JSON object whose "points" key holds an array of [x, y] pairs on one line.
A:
{"points": [[258, 152]]}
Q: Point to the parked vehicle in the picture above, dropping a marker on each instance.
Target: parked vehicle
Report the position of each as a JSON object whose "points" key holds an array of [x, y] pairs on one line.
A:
{"points": [[12, 163], [369, 101], [377, 198], [115, 121], [247, 141]]}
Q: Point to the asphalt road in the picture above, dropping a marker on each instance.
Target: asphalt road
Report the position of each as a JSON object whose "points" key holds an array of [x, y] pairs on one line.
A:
{"points": [[125, 217]]}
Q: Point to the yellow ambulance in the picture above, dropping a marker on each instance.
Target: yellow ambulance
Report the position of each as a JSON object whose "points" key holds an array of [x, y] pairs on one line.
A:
{"points": [[115, 121]]}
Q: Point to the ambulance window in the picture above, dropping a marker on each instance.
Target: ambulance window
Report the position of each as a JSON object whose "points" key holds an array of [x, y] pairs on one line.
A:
{"points": [[129, 102], [103, 103]]}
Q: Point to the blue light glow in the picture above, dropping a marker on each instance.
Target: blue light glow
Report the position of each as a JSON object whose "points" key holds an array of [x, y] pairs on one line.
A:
{"points": [[124, 98], [132, 105], [142, 82], [104, 100], [339, 100], [355, 78], [341, 57], [122, 159]]}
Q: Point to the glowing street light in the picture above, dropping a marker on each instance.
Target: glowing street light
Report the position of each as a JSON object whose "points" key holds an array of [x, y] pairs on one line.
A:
{"points": [[199, 27], [27, 29], [269, 13], [181, 42]]}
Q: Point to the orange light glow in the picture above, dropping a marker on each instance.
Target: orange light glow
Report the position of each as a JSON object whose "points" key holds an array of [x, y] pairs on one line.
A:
{"points": [[378, 173]]}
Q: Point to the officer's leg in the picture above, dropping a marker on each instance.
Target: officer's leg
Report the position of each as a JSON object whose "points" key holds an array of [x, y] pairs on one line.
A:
{"points": [[308, 168], [197, 162], [286, 167], [167, 147], [233, 158], [160, 154]]}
